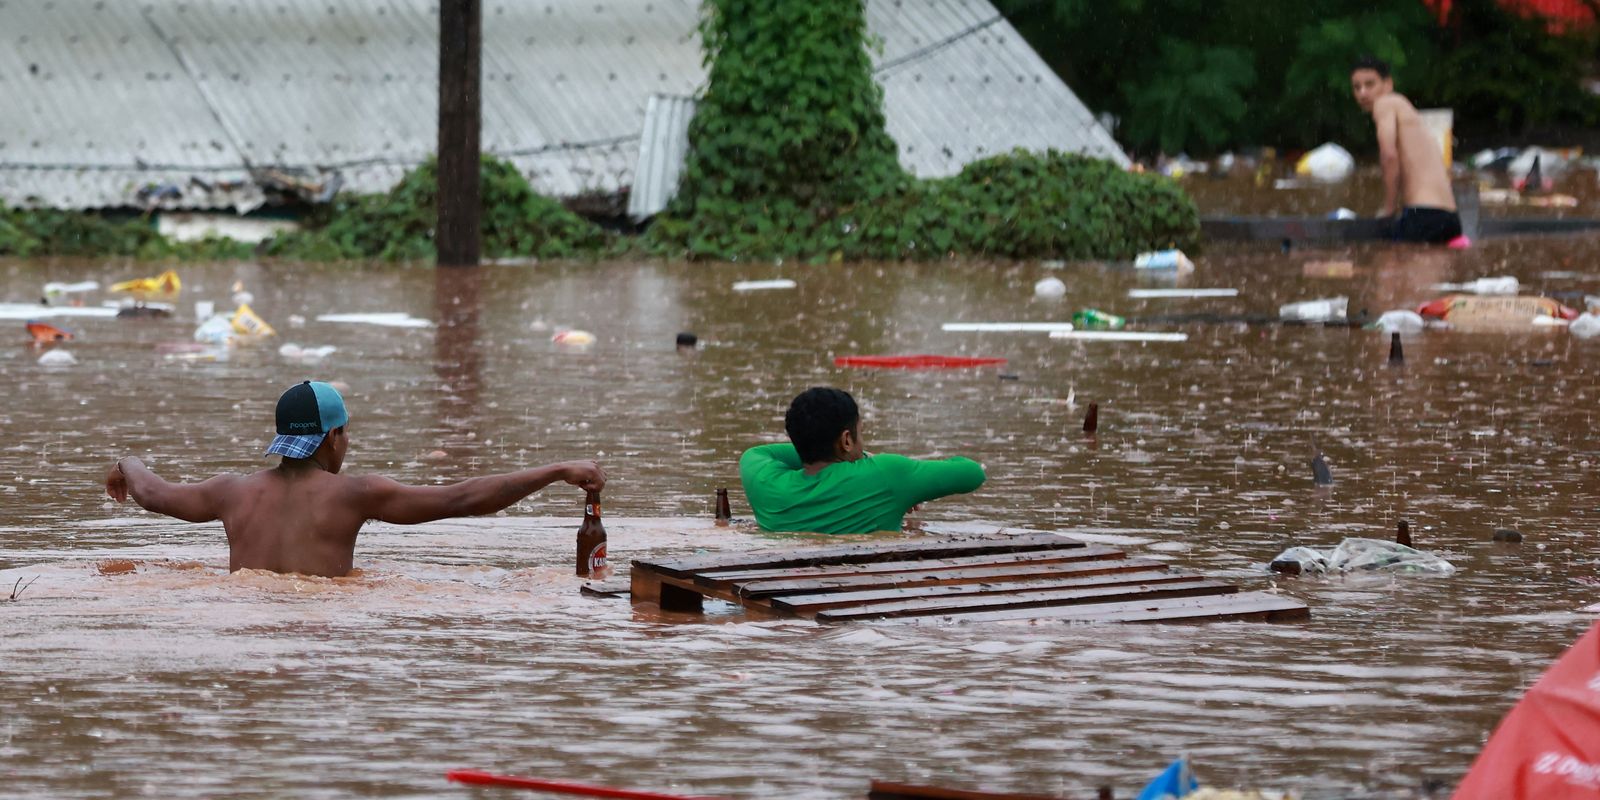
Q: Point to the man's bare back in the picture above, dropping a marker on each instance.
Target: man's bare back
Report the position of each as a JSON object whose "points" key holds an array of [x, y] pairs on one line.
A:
{"points": [[303, 516], [1422, 176]]}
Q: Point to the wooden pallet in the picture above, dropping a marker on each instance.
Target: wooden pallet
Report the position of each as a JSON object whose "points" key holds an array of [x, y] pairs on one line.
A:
{"points": [[942, 580]]}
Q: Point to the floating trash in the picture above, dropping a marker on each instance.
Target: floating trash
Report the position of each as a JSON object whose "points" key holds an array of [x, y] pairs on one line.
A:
{"points": [[295, 352], [31, 311], [1356, 554], [1505, 284], [1164, 259], [1121, 336], [1006, 327], [388, 319], [1328, 269], [1400, 321], [44, 332], [166, 286], [755, 286], [1050, 289], [57, 358], [573, 338], [1324, 310], [244, 327], [1181, 293], [1328, 163], [1496, 312], [56, 291], [1586, 326], [917, 362]]}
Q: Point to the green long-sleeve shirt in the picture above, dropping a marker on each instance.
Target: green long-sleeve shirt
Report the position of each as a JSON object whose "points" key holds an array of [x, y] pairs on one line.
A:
{"points": [[872, 494]]}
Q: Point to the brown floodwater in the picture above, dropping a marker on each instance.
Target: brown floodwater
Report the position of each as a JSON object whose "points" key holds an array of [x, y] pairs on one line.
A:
{"points": [[466, 644]]}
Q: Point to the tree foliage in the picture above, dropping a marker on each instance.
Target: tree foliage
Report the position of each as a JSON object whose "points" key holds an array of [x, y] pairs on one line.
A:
{"points": [[789, 158], [1187, 75], [399, 225]]}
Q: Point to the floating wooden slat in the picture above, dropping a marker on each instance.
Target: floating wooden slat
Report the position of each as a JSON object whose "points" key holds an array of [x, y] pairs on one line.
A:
{"points": [[994, 578], [1130, 570], [868, 553], [1183, 587], [1254, 606], [887, 790], [1098, 558], [610, 587], [1072, 553]]}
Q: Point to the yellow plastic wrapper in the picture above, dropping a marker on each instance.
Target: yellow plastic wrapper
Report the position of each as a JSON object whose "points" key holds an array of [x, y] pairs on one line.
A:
{"points": [[162, 287]]}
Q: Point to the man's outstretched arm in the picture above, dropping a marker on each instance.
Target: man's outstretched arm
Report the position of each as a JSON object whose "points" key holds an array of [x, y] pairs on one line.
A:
{"points": [[190, 502], [391, 501]]}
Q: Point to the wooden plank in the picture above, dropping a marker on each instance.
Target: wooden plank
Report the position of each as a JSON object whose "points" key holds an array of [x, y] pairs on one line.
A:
{"points": [[935, 547], [1186, 587], [826, 570], [886, 790], [927, 577], [645, 586], [1132, 570], [1253, 606], [610, 587]]}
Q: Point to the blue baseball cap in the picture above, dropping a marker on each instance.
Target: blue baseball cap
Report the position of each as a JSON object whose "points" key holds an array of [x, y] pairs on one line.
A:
{"points": [[306, 412]]}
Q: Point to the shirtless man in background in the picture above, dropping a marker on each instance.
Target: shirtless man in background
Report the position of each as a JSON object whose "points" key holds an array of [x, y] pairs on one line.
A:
{"points": [[1413, 166], [303, 516]]}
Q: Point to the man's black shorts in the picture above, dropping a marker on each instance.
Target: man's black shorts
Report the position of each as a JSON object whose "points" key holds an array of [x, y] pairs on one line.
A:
{"points": [[1428, 225]]}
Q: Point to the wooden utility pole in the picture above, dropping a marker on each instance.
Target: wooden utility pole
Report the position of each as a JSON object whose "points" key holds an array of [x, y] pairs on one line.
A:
{"points": [[460, 205]]}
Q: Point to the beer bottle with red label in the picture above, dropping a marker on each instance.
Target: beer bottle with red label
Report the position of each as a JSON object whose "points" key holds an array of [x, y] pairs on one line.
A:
{"points": [[592, 541]]}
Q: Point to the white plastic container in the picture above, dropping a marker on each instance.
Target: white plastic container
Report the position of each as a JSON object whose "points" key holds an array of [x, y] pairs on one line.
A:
{"points": [[1331, 308], [1164, 259]]}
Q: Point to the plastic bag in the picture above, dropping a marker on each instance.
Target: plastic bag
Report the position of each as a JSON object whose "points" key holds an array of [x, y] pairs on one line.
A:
{"points": [[1586, 326], [1328, 163], [1357, 553], [1400, 321]]}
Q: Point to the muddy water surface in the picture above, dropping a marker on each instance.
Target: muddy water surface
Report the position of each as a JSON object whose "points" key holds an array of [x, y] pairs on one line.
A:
{"points": [[466, 644]]}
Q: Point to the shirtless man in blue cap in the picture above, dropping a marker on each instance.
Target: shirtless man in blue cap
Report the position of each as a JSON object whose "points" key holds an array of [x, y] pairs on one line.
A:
{"points": [[302, 515]]}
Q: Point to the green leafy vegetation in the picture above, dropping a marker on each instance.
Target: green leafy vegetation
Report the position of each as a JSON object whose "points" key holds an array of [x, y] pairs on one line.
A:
{"points": [[399, 225], [26, 232], [789, 158], [1205, 75]]}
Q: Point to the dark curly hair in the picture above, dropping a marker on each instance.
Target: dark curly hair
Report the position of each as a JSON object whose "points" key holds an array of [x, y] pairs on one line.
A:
{"points": [[816, 418]]}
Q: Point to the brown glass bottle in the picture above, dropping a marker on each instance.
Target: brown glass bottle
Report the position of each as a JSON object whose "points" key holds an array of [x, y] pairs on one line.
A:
{"points": [[724, 511], [592, 541]]}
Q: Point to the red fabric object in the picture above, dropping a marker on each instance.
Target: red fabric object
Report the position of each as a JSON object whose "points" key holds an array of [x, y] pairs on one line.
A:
{"points": [[1548, 747], [481, 778], [916, 362]]}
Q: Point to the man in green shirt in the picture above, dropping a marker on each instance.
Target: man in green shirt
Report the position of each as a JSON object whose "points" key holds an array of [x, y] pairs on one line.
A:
{"points": [[826, 482]]}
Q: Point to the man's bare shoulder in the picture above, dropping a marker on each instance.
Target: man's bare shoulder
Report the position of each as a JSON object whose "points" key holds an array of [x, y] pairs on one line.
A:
{"points": [[1394, 103]]}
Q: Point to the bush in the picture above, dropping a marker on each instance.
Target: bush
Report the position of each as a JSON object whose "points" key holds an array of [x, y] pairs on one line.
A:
{"points": [[789, 158], [28, 232], [399, 226], [1021, 205]]}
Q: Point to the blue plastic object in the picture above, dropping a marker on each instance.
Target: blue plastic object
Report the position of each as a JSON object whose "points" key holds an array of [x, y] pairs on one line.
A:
{"points": [[1176, 781]]}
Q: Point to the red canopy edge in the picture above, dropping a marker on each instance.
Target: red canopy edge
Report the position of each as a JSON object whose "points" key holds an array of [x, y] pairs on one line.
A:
{"points": [[1548, 746]]}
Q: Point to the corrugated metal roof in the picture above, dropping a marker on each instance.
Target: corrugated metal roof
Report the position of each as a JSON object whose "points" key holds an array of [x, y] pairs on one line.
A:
{"points": [[663, 146], [107, 96]]}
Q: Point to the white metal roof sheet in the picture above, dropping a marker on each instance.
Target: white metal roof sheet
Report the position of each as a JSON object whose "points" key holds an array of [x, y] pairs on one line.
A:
{"points": [[108, 96]]}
